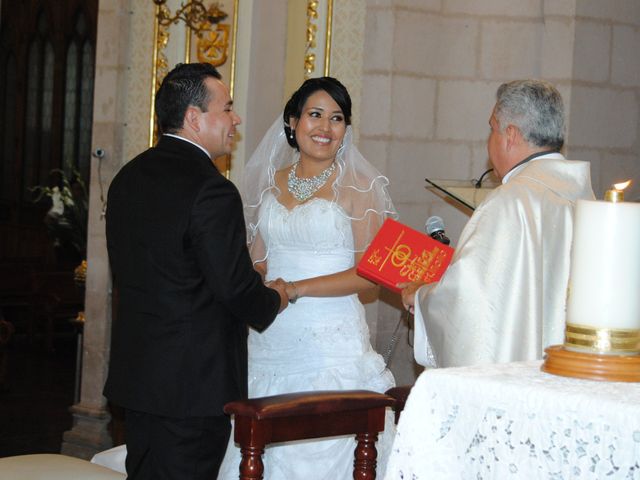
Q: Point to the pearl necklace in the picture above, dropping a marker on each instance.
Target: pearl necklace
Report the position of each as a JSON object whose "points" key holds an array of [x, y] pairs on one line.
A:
{"points": [[303, 188]]}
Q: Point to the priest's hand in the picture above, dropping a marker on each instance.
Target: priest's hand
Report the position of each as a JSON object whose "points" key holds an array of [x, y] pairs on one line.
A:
{"points": [[408, 293]]}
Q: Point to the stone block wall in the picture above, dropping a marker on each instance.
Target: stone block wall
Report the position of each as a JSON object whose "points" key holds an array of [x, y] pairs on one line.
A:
{"points": [[605, 93]]}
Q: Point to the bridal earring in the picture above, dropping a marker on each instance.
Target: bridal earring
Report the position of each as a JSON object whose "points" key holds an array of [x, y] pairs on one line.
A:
{"points": [[291, 134]]}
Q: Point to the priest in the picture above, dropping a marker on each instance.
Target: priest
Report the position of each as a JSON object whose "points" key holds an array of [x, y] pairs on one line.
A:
{"points": [[503, 296]]}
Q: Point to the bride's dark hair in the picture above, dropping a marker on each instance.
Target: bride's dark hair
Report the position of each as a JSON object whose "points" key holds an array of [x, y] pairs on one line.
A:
{"points": [[294, 106]]}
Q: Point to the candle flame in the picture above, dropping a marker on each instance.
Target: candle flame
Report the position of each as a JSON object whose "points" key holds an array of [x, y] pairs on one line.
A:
{"points": [[621, 186]]}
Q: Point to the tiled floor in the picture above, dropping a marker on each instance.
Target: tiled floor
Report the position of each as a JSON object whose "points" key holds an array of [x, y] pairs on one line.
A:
{"points": [[34, 406]]}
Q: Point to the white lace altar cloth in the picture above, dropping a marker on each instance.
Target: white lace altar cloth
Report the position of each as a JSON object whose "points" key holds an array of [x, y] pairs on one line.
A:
{"points": [[512, 421]]}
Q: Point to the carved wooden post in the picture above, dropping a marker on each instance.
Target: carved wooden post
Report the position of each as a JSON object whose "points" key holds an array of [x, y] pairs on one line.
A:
{"points": [[366, 456]]}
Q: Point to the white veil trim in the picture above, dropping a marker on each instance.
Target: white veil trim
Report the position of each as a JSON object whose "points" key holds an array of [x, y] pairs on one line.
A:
{"points": [[359, 188]]}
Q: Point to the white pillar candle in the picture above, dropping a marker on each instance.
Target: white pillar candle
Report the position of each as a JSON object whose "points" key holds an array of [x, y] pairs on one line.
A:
{"points": [[604, 286]]}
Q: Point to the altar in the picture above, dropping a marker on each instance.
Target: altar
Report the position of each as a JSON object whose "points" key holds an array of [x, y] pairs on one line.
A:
{"points": [[513, 421]]}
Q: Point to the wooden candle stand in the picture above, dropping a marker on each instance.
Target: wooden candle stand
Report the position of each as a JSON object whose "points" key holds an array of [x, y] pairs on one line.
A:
{"points": [[591, 366]]}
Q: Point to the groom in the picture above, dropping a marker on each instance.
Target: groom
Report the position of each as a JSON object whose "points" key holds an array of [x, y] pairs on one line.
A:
{"points": [[187, 288]]}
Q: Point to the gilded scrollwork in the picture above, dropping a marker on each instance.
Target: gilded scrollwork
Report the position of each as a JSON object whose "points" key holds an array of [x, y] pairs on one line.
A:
{"points": [[318, 41], [309, 64], [213, 44], [312, 30], [312, 9], [194, 14]]}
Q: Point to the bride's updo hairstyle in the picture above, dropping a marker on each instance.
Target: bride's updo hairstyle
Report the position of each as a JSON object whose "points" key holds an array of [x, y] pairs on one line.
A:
{"points": [[294, 106]]}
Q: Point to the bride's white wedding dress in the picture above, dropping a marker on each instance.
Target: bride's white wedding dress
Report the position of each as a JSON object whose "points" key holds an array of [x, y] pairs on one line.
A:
{"points": [[314, 344]]}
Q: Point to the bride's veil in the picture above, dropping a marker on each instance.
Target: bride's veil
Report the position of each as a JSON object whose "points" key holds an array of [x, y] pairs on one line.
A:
{"points": [[359, 189]]}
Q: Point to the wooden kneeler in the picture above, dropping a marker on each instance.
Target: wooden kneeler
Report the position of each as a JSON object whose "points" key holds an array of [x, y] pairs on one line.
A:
{"points": [[297, 416]]}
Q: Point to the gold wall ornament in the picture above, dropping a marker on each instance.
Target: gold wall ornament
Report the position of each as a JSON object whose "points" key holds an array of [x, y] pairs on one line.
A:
{"points": [[312, 9], [311, 35], [308, 42], [312, 30], [194, 14], [314, 36], [213, 45], [309, 64]]}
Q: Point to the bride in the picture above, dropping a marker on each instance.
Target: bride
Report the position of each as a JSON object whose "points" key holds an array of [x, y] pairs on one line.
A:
{"points": [[312, 205]]}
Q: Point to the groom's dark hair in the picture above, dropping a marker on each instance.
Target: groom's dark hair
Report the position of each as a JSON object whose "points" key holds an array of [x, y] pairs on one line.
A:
{"points": [[182, 87]]}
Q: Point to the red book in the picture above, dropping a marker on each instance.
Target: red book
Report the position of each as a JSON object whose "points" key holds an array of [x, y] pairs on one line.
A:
{"points": [[401, 254]]}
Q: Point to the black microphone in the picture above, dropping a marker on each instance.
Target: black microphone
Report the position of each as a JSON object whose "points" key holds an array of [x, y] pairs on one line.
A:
{"points": [[435, 229]]}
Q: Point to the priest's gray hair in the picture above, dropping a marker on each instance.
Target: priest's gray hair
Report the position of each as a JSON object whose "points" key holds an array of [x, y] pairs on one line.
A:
{"points": [[535, 107]]}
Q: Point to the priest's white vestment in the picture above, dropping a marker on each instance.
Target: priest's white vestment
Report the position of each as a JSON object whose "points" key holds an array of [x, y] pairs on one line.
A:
{"points": [[503, 296]]}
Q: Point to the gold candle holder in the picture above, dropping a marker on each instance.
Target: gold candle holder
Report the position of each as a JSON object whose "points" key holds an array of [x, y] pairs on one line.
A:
{"points": [[616, 193]]}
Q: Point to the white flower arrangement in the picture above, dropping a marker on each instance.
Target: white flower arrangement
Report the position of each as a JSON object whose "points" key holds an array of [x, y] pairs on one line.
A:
{"points": [[67, 216]]}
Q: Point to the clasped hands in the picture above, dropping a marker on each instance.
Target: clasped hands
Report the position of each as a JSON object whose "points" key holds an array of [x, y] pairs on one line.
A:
{"points": [[287, 291]]}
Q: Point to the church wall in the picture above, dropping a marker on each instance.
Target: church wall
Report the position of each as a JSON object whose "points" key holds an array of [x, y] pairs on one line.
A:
{"points": [[136, 80], [605, 93], [430, 72], [260, 75], [347, 52]]}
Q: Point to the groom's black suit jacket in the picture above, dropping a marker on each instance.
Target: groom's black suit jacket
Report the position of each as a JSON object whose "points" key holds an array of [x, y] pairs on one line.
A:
{"points": [[186, 286]]}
